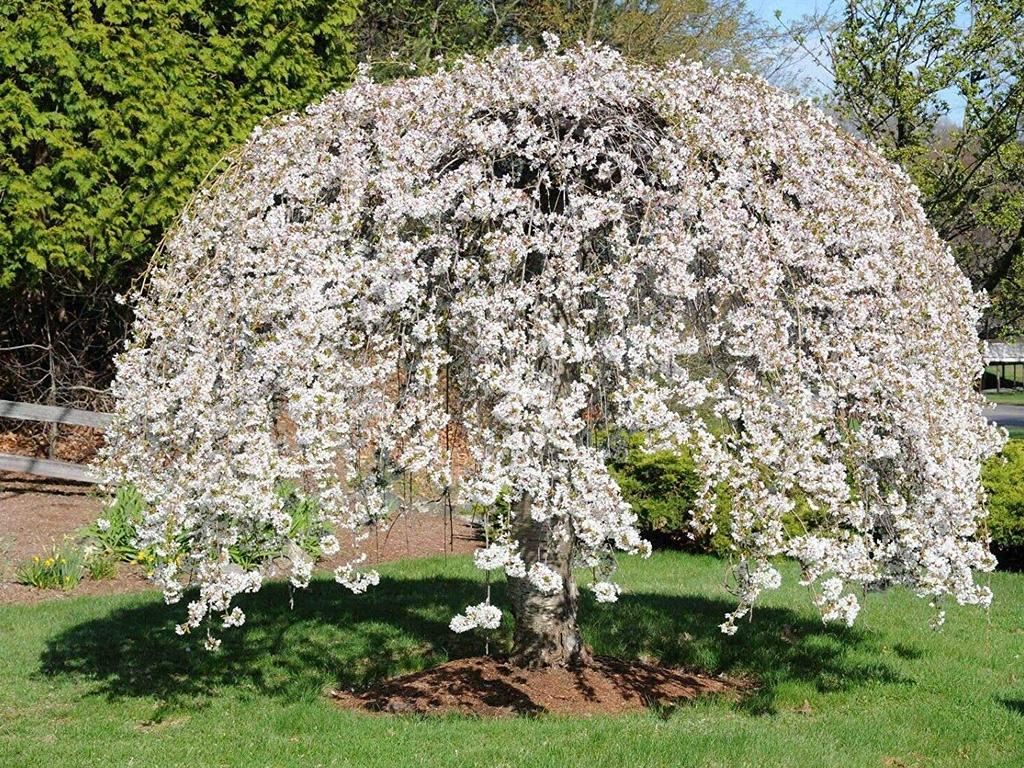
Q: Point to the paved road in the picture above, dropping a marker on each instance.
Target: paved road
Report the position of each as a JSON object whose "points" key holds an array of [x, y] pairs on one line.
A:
{"points": [[1006, 415]]}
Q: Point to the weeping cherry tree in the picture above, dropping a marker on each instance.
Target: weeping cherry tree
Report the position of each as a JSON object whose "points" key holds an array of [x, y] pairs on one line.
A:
{"points": [[525, 255]]}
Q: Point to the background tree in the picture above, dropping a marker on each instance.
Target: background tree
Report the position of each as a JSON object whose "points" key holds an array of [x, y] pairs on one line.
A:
{"points": [[538, 251], [720, 32], [901, 72], [111, 112], [396, 37]]}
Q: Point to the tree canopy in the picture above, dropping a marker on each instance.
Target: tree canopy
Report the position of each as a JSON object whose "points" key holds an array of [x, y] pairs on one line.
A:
{"points": [[717, 32], [527, 253]]}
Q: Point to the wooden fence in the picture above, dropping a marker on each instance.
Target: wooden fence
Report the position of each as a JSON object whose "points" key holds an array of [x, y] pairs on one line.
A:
{"points": [[60, 470]]}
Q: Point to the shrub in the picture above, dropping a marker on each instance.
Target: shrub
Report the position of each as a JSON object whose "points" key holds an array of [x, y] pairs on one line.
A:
{"points": [[113, 112], [661, 487], [62, 568], [1003, 477]]}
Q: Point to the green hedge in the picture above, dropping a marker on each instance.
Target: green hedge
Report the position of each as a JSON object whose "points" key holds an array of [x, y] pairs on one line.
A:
{"points": [[112, 111], [1003, 477], [661, 487]]}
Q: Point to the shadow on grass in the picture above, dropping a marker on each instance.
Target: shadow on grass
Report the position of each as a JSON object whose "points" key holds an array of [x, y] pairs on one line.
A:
{"points": [[1014, 705], [334, 639], [778, 646]]}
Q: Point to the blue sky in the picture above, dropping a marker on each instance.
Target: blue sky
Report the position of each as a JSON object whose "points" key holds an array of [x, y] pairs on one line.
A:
{"points": [[792, 11], [803, 65]]}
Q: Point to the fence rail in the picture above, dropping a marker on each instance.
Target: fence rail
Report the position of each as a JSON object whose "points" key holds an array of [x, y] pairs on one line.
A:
{"points": [[9, 409], [58, 470], [50, 414]]}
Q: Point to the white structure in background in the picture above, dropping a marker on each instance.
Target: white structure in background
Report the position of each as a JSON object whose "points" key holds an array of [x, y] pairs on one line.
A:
{"points": [[998, 355]]}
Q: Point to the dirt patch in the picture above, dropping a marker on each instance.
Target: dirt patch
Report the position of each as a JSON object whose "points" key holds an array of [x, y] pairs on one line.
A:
{"points": [[75, 444], [490, 687], [36, 513], [33, 517]]}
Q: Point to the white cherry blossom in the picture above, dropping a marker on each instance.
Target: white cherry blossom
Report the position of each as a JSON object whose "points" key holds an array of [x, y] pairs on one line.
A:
{"points": [[605, 591], [532, 251]]}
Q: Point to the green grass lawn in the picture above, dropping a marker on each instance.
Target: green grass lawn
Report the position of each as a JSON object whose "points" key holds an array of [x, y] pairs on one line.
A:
{"points": [[106, 682], [1005, 398]]}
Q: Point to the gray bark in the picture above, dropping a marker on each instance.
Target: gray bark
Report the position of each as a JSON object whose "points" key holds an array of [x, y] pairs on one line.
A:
{"points": [[546, 630]]}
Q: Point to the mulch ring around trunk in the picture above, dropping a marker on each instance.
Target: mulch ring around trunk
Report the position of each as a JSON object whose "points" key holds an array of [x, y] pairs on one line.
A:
{"points": [[485, 686]]}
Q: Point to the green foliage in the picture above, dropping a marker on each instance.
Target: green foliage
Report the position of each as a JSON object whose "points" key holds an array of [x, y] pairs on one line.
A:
{"points": [[113, 534], [111, 114], [100, 547], [62, 568], [112, 111], [101, 567], [400, 37], [1003, 477], [661, 487], [719, 32]]}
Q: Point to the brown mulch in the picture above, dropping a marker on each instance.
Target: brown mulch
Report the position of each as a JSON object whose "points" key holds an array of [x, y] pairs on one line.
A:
{"points": [[35, 516], [490, 687]]}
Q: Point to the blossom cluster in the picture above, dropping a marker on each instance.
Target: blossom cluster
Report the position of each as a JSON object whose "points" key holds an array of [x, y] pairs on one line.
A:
{"points": [[533, 249], [500, 555], [480, 616]]}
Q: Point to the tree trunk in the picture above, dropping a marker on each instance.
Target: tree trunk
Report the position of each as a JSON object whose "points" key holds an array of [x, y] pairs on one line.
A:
{"points": [[546, 632]]}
